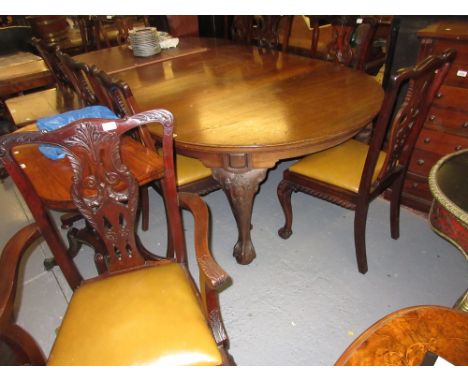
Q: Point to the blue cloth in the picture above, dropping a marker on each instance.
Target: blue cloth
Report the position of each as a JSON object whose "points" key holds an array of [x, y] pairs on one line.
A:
{"points": [[57, 121]]}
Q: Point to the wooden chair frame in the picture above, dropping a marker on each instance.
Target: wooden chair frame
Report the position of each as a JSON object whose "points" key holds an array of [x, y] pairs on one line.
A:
{"points": [[48, 52], [423, 82], [263, 31], [118, 96], [105, 193]]}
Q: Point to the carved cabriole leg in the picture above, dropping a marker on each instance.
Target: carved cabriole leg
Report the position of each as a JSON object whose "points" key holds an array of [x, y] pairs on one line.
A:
{"points": [[284, 192], [76, 238], [74, 247], [240, 188], [58, 249]]}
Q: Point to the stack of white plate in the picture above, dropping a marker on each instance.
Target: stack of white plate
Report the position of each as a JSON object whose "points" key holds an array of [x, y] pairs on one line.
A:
{"points": [[144, 41]]}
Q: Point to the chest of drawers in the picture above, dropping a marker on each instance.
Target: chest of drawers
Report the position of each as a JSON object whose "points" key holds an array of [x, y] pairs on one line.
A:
{"points": [[446, 127]]}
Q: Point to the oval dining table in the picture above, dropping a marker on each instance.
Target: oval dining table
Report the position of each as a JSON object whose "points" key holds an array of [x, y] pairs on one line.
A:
{"points": [[240, 110]]}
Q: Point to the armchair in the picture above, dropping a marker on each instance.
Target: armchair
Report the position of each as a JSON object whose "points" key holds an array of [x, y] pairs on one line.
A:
{"points": [[142, 308]]}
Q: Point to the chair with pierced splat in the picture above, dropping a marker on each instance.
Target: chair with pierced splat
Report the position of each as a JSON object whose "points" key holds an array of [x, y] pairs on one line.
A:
{"points": [[353, 174], [141, 308]]}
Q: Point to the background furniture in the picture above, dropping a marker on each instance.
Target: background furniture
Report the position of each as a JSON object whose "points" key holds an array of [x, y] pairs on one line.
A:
{"points": [[119, 58], [20, 69], [141, 309], [59, 30], [15, 38], [353, 174], [446, 128], [180, 26], [26, 109], [358, 41], [448, 183], [404, 337], [262, 31]]}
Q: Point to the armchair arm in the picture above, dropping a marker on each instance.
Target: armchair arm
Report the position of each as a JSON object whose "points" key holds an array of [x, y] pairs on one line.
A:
{"points": [[9, 267], [213, 273]]}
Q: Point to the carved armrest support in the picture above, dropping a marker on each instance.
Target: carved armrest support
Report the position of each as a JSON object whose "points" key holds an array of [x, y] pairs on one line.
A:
{"points": [[215, 276], [9, 267]]}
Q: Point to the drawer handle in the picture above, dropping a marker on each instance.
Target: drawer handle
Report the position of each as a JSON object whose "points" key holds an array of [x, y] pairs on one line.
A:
{"points": [[427, 140], [420, 162], [458, 147], [439, 95], [465, 125], [432, 117], [415, 185]]}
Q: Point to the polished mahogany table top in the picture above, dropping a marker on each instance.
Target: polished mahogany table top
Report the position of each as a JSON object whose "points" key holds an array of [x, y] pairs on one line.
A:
{"points": [[236, 99], [240, 110]]}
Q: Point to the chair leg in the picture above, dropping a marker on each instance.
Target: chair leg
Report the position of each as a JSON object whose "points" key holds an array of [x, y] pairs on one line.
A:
{"points": [[144, 198], [360, 220], [395, 207], [227, 358], [74, 247], [284, 192]]}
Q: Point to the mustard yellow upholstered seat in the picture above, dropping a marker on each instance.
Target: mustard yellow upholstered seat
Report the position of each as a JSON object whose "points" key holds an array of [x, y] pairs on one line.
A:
{"points": [[192, 175], [107, 323], [341, 166], [189, 170]]}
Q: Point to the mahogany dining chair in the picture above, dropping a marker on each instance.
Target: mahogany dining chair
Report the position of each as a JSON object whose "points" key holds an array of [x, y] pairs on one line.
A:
{"points": [[351, 39], [141, 309], [191, 174], [262, 31], [353, 174]]}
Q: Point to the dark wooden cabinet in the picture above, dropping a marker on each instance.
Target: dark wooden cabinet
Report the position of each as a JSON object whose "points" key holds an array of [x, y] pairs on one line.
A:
{"points": [[446, 127]]}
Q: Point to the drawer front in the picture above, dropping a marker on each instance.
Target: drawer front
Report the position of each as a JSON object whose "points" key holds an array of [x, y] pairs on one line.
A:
{"points": [[448, 121], [457, 75], [417, 185], [455, 98], [422, 161], [439, 143], [461, 47]]}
